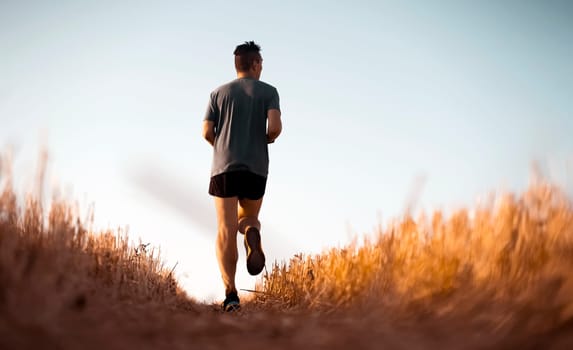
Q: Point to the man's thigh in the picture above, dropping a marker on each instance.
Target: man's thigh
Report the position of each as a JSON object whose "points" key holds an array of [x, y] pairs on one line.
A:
{"points": [[226, 210]]}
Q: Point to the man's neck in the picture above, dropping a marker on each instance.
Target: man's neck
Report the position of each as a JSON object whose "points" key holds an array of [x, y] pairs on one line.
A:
{"points": [[246, 75]]}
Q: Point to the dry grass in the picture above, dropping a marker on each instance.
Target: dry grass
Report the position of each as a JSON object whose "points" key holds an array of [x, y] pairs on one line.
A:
{"points": [[508, 262], [495, 277], [52, 265]]}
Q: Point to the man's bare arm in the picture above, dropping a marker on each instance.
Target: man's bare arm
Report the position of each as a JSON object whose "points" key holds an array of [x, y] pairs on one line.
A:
{"points": [[209, 131], [274, 125]]}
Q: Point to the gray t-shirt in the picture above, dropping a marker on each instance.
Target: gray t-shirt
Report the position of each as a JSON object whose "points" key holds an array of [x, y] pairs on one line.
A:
{"points": [[239, 111]]}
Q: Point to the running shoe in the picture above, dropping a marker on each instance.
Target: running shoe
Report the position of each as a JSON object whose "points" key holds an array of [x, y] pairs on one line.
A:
{"points": [[255, 255], [231, 303]]}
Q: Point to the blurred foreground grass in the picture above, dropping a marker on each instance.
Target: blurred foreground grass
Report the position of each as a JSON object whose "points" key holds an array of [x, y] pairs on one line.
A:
{"points": [[53, 265], [497, 276], [512, 256]]}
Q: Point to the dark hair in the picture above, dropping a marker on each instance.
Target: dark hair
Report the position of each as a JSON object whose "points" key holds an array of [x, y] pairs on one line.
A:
{"points": [[245, 55]]}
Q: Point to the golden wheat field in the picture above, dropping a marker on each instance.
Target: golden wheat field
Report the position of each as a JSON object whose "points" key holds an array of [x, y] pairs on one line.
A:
{"points": [[497, 276]]}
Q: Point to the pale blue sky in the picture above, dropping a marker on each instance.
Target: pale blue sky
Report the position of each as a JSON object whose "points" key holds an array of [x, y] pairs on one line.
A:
{"points": [[375, 94]]}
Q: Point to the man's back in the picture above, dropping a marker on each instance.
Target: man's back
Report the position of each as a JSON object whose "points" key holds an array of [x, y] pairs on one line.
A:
{"points": [[238, 110]]}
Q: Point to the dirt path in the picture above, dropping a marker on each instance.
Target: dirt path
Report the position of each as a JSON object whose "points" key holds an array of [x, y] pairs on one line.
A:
{"points": [[204, 327]]}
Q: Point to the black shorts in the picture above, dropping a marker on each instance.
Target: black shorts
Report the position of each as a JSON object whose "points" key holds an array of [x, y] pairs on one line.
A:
{"points": [[242, 184]]}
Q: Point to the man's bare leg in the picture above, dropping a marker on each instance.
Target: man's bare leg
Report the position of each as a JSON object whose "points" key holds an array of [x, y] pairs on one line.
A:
{"points": [[227, 254], [248, 214], [249, 225]]}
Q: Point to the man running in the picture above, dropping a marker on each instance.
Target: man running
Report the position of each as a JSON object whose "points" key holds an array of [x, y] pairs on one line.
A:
{"points": [[243, 117]]}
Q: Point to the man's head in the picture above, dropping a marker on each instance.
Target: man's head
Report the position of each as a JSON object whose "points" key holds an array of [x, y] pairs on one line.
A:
{"points": [[248, 60]]}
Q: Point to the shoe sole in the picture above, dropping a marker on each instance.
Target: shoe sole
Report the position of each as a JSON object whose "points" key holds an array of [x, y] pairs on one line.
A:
{"points": [[232, 307], [255, 255]]}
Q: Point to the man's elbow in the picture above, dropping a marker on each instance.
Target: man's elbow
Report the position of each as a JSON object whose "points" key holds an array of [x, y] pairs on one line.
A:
{"points": [[274, 124], [208, 133], [273, 133], [205, 134], [209, 136]]}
